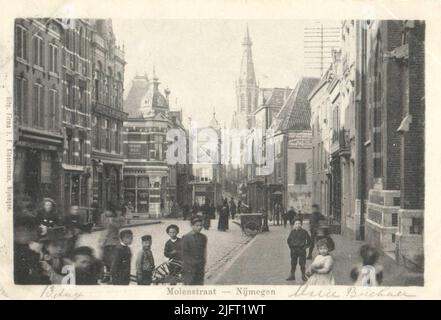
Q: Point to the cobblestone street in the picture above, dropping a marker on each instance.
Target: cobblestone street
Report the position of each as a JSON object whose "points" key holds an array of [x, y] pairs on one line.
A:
{"points": [[222, 246]]}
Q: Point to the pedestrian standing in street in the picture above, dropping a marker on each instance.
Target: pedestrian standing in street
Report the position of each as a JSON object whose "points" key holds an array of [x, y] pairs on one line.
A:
{"points": [[186, 211], [95, 212], [321, 268], [277, 212], [109, 239], [194, 254], [290, 216], [239, 206], [122, 258], [298, 241], [145, 263], [265, 227], [369, 273], [314, 223], [195, 209], [224, 217], [212, 211], [232, 208], [206, 214]]}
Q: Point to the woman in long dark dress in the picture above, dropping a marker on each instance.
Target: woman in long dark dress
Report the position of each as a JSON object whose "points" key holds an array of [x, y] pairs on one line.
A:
{"points": [[223, 217]]}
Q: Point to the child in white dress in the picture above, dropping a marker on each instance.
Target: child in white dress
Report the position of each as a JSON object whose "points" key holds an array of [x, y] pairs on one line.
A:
{"points": [[368, 273], [321, 267]]}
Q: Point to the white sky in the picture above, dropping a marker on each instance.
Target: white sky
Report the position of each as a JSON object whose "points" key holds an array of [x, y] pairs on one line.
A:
{"points": [[199, 60]]}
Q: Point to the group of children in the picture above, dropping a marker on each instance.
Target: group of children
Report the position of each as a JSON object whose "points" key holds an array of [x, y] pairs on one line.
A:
{"points": [[54, 258], [145, 262], [367, 273]]}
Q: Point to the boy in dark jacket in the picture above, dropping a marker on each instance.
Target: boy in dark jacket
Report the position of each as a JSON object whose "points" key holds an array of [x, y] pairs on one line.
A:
{"points": [[194, 254], [298, 241], [145, 263], [121, 262]]}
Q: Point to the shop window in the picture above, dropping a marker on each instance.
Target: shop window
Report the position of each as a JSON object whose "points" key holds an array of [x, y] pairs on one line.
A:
{"points": [[143, 182], [129, 182]]}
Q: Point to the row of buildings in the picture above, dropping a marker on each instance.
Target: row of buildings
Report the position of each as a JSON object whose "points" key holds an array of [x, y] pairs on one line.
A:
{"points": [[68, 103], [76, 139], [278, 123], [351, 141], [367, 122]]}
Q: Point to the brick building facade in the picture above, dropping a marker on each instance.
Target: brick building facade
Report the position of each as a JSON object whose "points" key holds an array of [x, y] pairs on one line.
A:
{"points": [[381, 140], [107, 115], [38, 90], [53, 107]]}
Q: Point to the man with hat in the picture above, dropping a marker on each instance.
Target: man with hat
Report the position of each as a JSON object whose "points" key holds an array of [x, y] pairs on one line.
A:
{"points": [[194, 254]]}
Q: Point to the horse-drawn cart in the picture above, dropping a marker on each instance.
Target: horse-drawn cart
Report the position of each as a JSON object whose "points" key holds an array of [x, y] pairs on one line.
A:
{"points": [[251, 223]]}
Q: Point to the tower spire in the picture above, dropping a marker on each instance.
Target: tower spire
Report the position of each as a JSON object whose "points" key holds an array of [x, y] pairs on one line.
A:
{"points": [[247, 38], [247, 75]]}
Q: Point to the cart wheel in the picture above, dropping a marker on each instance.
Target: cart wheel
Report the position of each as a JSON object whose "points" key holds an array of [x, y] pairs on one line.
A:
{"points": [[251, 229]]}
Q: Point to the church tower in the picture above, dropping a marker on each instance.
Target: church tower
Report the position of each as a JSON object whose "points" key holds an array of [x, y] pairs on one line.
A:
{"points": [[247, 90]]}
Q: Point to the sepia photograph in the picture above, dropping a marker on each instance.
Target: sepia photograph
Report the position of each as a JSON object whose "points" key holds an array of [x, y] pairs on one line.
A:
{"points": [[249, 153]]}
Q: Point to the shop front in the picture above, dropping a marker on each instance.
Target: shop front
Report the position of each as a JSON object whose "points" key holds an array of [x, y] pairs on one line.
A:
{"points": [[35, 174], [136, 194], [106, 185], [76, 189]]}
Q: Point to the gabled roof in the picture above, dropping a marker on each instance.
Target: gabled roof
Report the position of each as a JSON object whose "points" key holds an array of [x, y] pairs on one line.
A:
{"points": [[296, 112], [278, 97]]}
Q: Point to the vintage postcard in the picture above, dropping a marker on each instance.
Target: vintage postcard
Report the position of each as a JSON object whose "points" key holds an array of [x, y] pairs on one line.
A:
{"points": [[219, 150]]}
